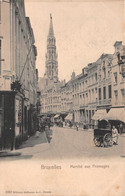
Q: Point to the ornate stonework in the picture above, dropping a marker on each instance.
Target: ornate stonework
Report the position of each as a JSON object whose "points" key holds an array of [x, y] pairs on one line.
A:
{"points": [[51, 55]]}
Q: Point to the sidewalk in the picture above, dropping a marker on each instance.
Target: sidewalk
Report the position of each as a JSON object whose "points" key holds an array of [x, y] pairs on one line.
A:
{"points": [[38, 138], [6, 153]]}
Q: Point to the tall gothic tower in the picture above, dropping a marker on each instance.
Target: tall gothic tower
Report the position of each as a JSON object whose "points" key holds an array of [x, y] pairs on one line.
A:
{"points": [[51, 55]]}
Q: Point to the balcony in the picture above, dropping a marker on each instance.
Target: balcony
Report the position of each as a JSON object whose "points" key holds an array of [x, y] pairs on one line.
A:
{"points": [[105, 81], [93, 103], [83, 105], [104, 102]]}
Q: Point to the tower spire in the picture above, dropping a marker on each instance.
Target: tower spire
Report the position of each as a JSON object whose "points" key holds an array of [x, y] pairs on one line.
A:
{"points": [[51, 55], [51, 32]]}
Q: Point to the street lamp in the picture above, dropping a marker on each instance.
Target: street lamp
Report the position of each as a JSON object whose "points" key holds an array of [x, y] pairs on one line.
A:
{"points": [[121, 63]]}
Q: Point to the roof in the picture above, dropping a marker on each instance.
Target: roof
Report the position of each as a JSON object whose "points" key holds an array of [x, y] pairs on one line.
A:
{"points": [[106, 55], [117, 43], [78, 77], [30, 29]]}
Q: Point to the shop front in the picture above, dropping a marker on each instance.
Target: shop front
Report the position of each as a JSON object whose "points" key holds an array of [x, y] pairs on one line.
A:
{"points": [[7, 119], [13, 119]]}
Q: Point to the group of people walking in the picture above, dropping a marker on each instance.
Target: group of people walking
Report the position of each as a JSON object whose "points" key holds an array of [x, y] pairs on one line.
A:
{"points": [[45, 127]]}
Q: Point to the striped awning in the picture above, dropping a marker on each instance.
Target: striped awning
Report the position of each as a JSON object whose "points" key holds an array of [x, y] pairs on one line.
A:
{"points": [[99, 114], [116, 114], [68, 117], [56, 116]]}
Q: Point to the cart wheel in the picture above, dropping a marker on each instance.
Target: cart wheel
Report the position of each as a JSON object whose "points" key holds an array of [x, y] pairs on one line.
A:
{"points": [[97, 141], [107, 140]]}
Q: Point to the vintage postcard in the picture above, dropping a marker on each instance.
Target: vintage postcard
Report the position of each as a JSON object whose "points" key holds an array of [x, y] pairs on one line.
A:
{"points": [[62, 98]]}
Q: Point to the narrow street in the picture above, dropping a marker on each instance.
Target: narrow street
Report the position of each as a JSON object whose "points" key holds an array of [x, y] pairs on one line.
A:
{"points": [[66, 143], [73, 159]]}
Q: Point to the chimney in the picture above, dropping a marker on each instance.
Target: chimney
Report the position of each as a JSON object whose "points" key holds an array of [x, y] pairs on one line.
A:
{"points": [[73, 75]]}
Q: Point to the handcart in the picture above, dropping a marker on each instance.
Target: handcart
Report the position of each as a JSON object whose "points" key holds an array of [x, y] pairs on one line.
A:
{"points": [[103, 135]]}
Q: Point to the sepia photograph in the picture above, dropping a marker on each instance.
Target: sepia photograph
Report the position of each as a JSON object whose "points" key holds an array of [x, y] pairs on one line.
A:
{"points": [[62, 97]]}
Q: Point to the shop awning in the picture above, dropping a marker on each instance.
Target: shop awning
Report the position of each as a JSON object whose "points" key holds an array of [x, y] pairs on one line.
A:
{"points": [[68, 117], [116, 114], [56, 116], [99, 114]]}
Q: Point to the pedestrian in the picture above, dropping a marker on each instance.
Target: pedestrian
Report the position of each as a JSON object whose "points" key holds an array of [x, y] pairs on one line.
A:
{"points": [[77, 126], [12, 136], [63, 123], [42, 125], [120, 128], [114, 135], [48, 132]]}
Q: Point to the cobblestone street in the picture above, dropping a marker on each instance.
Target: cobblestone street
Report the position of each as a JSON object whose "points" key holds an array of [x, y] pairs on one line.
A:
{"points": [[67, 143], [75, 159]]}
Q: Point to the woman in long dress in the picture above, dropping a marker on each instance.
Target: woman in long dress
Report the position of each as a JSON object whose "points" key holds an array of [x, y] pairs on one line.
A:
{"points": [[115, 135]]}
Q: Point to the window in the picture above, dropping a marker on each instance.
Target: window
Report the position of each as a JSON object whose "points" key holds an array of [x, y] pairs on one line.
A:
{"points": [[80, 99], [89, 95], [116, 96], [104, 72], [115, 77], [123, 95], [109, 73], [80, 86], [83, 85], [109, 91], [104, 92], [96, 77], [86, 83], [99, 93]]}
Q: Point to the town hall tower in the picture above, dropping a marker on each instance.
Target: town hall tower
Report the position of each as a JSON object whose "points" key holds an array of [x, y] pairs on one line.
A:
{"points": [[51, 55]]}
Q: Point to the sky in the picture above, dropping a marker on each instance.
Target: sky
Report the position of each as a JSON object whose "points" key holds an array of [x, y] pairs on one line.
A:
{"points": [[83, 31]]}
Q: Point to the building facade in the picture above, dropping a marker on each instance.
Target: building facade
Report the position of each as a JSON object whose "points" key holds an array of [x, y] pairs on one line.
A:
{"points": [[90, 95], [118, 81], [99, 87], [18, 81]]}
